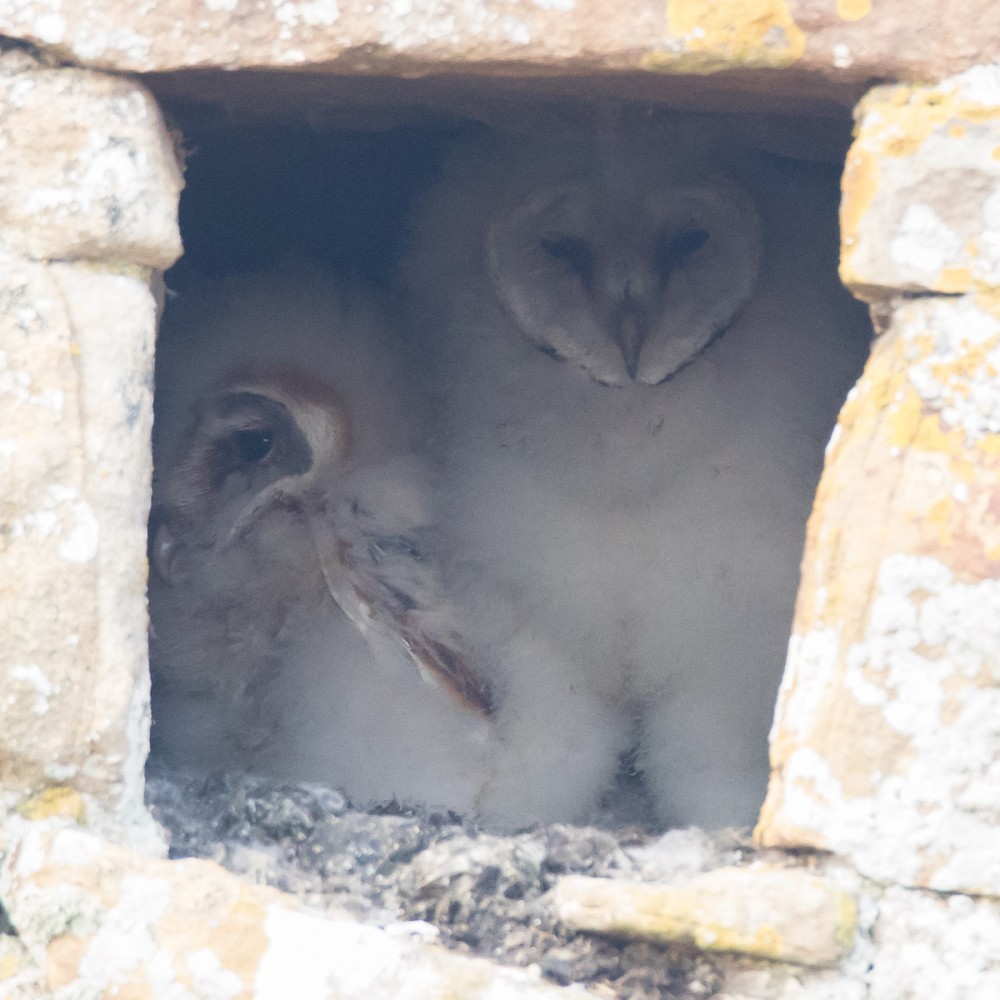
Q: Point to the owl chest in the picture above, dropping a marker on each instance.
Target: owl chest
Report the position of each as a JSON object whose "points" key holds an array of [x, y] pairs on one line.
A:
{"points": [[597, 448], [579, 496]]}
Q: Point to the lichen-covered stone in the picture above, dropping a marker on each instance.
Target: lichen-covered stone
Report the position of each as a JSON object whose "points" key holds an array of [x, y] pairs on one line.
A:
{"points": [[933, 948], [20, 977], [921, 206], [886, 747], [87, 169], [76, 356], [105, 921], [769, 981], [818, 45], [766, 911]]}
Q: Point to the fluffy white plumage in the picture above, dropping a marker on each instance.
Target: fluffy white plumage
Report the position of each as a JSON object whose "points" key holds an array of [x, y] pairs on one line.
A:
{"points": [[292, 601], [624, 517]]}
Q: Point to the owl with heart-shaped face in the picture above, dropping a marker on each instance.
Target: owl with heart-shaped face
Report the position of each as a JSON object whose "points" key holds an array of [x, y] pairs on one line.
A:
{"points": [[298, 625], [640, 346]]}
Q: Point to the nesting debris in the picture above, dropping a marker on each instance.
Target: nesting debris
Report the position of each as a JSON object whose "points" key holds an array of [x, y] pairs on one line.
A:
{"points": [[475, 892]]}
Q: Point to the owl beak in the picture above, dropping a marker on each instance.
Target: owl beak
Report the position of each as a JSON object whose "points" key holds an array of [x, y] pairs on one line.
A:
{"points": [[630, 335], [169, 558], [276, 497]]}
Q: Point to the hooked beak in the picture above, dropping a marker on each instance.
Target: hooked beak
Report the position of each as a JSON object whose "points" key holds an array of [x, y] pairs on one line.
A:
{"points": [[630, 335], [275, 497]]}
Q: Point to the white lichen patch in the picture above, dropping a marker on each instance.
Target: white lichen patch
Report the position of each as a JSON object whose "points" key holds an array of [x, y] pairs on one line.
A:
{"points": [[210, 978], [19, 385], [929, 948], [842, 57], [35, 686], [314, 14], [930, 664], [356, 962], [97, 39], [924, 243], [125, 940], [979, 85], [953, 349], [51, 28], [812, 660], [65, 517]]}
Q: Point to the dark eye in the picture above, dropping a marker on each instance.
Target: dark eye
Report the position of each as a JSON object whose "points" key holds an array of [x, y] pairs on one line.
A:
{"points": [[253, 446], [571, 251], [674, 249]]}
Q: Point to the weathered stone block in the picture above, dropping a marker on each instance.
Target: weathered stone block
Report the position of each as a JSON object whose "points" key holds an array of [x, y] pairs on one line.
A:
{"points": [[20, 977], [104, 921], [76, 356], [87, 169], [921, 206], [933, 948], [823, 50], [765, 911], [886, 746]]}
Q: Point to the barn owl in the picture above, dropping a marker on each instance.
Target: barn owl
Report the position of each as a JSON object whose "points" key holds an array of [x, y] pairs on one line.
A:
{"points": [[297, 627], [639, 357]]}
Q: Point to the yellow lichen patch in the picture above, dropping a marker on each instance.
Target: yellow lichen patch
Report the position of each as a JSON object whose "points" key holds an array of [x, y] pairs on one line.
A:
{"points": [[859, 185], [745, 32], [941, 516], [847, 921], [58, 801], [954, 280], [853, 10], [988, 299], [9, 966], [896, 121], [973, 364], [236, 936], [911, 425], [989, 444], [767, 911]]}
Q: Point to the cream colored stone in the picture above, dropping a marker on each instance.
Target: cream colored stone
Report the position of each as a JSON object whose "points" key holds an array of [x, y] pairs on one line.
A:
{"points": [[769, 981], [20, 977], [933, 948], [76, 357], [885, 748], [87, 169], [766, 911], [104, 921], [828, 51], [921, 205]]}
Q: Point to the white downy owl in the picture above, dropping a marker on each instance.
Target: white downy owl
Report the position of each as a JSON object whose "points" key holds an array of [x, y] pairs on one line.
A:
{"points": [[294, 606], [639, 360]]}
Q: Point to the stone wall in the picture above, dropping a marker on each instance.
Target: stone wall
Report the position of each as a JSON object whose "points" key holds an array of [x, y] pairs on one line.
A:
{"points": [[886, 746], [88, 215]]}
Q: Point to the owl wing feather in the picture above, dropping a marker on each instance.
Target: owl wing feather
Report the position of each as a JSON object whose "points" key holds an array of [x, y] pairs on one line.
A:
{"points": [[385, 583]]}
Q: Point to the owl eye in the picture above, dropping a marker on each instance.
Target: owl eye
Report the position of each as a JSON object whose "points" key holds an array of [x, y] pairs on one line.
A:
{"points": [[674, 249], [571, 251], [253, 445]]}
